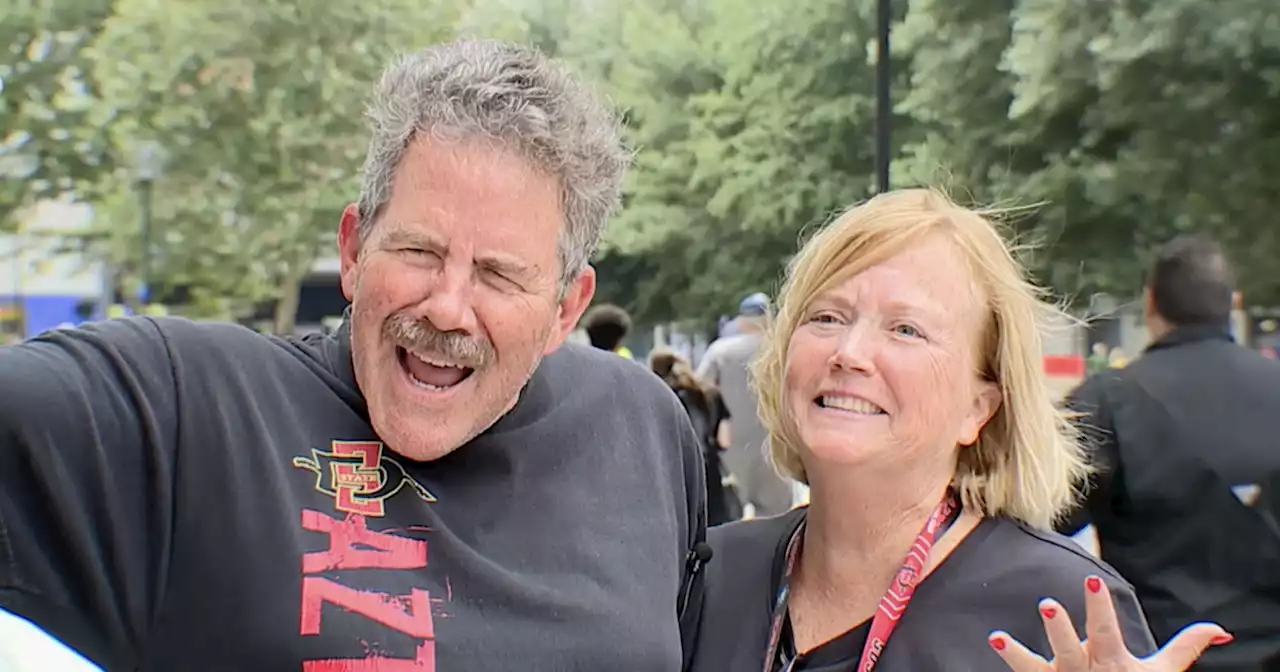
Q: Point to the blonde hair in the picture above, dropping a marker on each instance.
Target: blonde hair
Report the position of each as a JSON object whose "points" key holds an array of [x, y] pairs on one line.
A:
{"points": [[1027, 463]]}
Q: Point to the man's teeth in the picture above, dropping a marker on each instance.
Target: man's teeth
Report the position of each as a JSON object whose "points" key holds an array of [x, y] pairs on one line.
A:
{"points": [[852, 404], [426, 386], [438, 363]]}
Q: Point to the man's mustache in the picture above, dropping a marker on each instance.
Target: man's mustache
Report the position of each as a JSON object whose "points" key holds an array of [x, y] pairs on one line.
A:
{"points": [[424, 339]]}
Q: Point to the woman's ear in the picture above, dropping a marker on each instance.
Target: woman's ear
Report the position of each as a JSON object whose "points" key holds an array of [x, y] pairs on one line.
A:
{"points": [[986, 402]]}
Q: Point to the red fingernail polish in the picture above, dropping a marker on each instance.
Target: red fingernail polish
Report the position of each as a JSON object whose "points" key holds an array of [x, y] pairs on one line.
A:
{"points": [[1049, 612], [1094, 584], [1222, 639], [998, 643]]}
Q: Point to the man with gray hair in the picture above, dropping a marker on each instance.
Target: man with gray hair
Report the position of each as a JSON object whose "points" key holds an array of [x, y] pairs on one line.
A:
{"points": [[442, 483]]}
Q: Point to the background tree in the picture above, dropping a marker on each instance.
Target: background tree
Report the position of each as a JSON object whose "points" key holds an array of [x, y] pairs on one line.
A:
{"points": [[47, 148], [259, 106]]}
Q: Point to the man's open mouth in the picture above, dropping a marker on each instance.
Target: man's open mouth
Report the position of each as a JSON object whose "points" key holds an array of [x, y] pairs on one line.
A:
{"points": [[431, 373]]}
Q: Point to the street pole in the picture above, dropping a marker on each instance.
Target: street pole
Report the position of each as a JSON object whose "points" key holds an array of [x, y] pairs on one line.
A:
{"points": [[884, 102], [149, 162], [144, 275]]}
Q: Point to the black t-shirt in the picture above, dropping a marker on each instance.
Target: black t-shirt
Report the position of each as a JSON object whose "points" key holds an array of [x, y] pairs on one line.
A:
{"points": [[837, 655], [993, 580], [182, 496]]}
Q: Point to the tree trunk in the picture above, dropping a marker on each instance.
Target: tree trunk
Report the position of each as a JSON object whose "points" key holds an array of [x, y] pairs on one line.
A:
{"points": [[287, 303]]}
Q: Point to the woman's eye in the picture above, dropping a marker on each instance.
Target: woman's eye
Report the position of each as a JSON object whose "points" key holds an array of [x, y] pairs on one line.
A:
{"points": [[907, 330], [824, 318]]}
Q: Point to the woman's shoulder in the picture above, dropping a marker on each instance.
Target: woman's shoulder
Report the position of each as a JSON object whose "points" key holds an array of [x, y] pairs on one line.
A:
{"points": [[1010, 566], [741, 586], [755, 536], [1055, 560]]}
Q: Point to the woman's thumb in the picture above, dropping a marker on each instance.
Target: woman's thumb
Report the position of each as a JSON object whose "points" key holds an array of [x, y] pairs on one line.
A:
{"points": [[1188, 645]]}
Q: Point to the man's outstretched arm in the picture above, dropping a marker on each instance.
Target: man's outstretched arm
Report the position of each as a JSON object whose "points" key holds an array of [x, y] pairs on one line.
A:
{"points": [[87, 425]]}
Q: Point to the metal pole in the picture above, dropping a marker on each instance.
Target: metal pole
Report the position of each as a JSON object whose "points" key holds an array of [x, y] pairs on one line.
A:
{"points": [[144, 189], [884, 102]]}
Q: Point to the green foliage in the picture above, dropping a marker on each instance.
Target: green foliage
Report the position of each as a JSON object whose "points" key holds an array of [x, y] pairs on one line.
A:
{"points": [[48, 148], [1128, 122], [258, 105], [1133, 121], [1124, 123]]}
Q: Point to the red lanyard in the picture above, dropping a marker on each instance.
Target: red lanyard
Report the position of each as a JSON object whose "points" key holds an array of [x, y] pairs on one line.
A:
{"points": [[892, 605]]}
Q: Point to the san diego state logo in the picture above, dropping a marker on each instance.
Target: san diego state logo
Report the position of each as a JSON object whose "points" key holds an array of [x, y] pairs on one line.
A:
{"points": [[359, 477]]}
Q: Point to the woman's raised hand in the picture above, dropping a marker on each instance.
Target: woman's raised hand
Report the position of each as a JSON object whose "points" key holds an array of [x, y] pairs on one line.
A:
{"points": [[1104, 649]]}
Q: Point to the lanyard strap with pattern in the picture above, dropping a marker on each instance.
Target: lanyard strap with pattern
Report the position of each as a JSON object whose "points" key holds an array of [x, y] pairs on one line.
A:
{"points": [[892, 605]]}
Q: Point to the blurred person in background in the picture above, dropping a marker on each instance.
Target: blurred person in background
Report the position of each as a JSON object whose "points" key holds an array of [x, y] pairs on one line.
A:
{"points": [[903, 381], [725, 365], [1098, 360], [439, 484], [1186, 496], [607, 327], [711, 422]]}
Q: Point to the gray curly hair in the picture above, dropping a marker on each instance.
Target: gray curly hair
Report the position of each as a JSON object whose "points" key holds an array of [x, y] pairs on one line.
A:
{"points": [[515, 95]]}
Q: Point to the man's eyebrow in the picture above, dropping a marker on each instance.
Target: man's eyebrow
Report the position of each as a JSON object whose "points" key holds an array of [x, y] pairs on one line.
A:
{"points": [[398, 235], [509, 266]]}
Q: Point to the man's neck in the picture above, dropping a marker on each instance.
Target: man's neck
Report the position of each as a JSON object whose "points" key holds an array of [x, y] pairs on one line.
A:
{"points": [[1157, 328]]}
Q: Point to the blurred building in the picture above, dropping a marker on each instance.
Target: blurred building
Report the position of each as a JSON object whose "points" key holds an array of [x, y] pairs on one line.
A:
{"points": [[42, 285]]}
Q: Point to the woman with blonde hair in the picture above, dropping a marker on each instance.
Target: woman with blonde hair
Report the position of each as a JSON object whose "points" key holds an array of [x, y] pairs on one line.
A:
{"points": [[902, 381]]}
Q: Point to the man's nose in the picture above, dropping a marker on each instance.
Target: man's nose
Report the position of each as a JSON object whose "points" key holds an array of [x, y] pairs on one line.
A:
{"points": [[856, 349], [449, 305]]}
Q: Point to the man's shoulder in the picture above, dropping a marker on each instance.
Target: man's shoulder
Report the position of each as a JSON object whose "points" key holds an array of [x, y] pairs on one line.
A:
{"points": [[578, 365], [221, 341], [174, 332], [208, 350]]}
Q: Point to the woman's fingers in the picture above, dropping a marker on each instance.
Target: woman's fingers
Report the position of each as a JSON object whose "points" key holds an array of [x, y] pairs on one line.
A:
{"points": [[1184, 649], [1068, 651], [1018, 657], [1105, 639]]}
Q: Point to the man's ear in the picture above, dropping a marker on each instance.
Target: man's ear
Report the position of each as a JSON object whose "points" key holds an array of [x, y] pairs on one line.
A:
{"points": [[349, 249], [572, 306]]}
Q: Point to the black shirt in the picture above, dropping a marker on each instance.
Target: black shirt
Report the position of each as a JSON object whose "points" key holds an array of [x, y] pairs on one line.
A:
{"points": [[1187, 440], [837, 655], [182, 496], [993, 580]]}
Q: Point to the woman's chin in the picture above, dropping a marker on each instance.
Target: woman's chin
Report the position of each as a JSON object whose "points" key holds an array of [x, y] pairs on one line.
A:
{"points": [[845, 449]]}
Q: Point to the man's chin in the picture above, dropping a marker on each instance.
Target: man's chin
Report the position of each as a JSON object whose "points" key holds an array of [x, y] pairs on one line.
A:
{"points": [[423, 444]]}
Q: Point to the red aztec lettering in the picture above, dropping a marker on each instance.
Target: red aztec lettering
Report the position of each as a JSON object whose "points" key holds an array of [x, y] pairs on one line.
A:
{"points": [[389, 551], [424, 662], [408, 614], [412, 616]]}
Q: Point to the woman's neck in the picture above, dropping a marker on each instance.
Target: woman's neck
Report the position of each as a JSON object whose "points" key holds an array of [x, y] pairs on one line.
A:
{"points": [[855, 540]]}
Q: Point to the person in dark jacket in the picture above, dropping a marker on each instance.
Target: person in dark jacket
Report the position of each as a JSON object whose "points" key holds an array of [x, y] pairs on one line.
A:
{"points": [[902, 382], [710, 419], [1186, 498]]}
